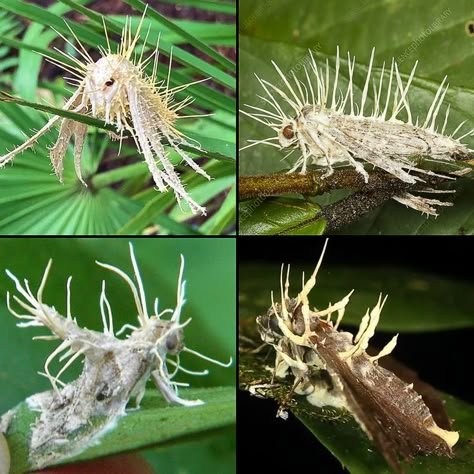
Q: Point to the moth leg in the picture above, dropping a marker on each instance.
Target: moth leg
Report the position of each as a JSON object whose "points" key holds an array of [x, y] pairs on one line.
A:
{"points": [[58, 151], [33, 139], [169, 394]]}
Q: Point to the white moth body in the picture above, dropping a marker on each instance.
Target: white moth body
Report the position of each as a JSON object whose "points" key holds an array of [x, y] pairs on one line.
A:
{"points": [[335, 135], [115, 370], [326, 126], [116, 89]]}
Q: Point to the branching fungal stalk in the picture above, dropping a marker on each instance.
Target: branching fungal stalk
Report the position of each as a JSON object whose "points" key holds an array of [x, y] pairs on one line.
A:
{"points": [[332, 368], [115, 370], [327, 126], [117, 90]]}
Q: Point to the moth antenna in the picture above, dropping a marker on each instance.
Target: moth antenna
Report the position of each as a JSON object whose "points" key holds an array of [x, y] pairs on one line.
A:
{"points": [[284, 79], [293, 104]]}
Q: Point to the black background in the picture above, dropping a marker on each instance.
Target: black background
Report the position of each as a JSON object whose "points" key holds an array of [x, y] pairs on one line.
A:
{"points": [[443, 359]]}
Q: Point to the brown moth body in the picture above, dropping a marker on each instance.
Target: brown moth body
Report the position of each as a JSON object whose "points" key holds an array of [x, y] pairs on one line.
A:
{"points": [[332, 368]]}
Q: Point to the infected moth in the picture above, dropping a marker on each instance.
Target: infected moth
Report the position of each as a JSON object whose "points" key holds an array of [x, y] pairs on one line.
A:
{"points": [[332, 368], [74, 415], [116, 89], [327, 126]]}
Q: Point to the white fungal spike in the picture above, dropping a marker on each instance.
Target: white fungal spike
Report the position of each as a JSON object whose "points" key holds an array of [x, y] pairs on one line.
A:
{"points": [[162, 337], [331, 368], [326, 131], [117, 90]]}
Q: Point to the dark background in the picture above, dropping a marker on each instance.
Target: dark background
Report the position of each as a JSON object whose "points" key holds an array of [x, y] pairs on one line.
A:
{"points": [[443, 359]]}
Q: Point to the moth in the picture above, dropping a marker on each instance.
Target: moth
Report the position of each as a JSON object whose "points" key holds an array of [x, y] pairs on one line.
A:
{"points": [[74, 415], [331, 367], [117, 89], [327, 126]]}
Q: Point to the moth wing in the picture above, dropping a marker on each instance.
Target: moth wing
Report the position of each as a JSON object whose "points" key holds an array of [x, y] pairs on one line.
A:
{"points": [[392, 414]]}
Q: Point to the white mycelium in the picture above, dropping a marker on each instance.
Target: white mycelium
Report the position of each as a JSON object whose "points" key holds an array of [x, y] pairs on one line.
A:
{"points": [[115, 370], [327, 126], [332, 368], [117, 90]]}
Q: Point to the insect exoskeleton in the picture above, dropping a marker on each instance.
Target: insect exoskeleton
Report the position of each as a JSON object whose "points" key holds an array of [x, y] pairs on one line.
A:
{"points": [[117, 89], [331, 367], [325, 125]]}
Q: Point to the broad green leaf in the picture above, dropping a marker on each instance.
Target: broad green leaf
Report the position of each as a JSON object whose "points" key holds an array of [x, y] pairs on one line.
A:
{"points": [[210, 302], [416, 301], [139, 5], [343, 437], [157, 422], [288, 216], [276, 32], [212, 5]]}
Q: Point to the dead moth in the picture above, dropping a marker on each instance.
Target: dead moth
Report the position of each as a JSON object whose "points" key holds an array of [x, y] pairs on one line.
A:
{"points": [[332, 368], [327, 126], [74, 415], [117, 90]]}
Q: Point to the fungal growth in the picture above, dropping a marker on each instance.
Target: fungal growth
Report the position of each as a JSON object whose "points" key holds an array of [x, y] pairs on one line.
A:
{"points": [[332, 368], [326, 126], [117, 90], [73, 415]]}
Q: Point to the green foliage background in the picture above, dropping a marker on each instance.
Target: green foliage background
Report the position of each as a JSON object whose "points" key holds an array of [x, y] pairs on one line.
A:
{"points": [[417, 302], [432, 32], [210, 289], [118, 199]]}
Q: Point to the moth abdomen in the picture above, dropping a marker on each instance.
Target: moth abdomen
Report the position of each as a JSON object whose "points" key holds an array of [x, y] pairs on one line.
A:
{"points": [[331, 367]]}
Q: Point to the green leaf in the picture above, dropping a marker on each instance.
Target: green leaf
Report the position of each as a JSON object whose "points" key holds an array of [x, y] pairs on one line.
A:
{"points": [[288, 216], [416, 302], [276, 32], [139, 5], [343, 437], [209, 300], [155, 423], [211, 5]]}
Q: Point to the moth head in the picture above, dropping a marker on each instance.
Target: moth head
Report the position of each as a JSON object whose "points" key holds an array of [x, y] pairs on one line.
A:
{"points": [[268, 327], [174, 340], [287, 134], [104, 85]]}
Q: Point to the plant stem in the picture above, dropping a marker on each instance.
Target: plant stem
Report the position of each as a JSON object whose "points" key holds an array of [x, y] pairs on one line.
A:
{"points": [[313, 183]]}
